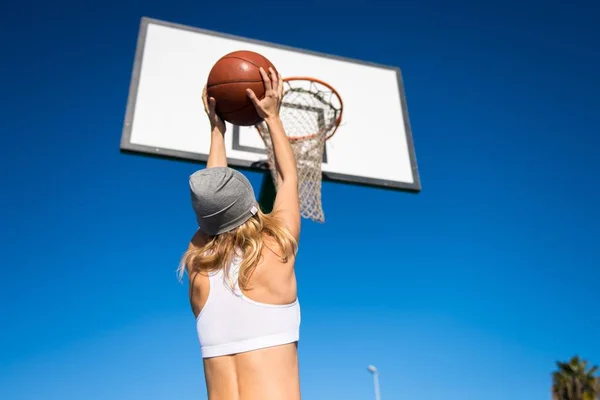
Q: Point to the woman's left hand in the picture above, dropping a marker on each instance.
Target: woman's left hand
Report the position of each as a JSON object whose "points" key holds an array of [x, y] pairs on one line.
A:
{"points": [[210, 105]]}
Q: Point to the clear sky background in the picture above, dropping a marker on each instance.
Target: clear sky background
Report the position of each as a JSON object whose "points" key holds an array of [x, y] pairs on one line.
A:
{"points": [[469, 290]]}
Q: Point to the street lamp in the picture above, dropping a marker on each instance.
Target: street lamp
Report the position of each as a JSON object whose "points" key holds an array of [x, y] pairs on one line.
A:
{"points": [[375, 373]]}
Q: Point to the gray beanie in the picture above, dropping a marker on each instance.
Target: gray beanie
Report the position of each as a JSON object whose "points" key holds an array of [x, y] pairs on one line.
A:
{"points": [[223, 199]]}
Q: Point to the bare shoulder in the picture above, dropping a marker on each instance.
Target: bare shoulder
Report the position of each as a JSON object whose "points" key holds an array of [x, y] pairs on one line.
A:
{"points": [[199, 283], [272, 250], [274, 265], [274, 279], [198, 240]]}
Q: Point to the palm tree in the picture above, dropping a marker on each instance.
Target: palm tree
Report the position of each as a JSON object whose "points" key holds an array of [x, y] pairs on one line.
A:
{"points": [[574, 381]]}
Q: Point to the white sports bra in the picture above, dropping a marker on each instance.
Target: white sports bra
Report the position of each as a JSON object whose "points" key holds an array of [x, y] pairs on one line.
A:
{"points": [[231, 323]]}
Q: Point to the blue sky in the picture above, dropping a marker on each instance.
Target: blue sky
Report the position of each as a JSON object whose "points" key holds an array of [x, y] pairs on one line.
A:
{"points": [[469, 290]]}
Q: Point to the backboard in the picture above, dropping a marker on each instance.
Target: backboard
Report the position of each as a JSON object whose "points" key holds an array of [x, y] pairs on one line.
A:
{"points": [[165, 117]]}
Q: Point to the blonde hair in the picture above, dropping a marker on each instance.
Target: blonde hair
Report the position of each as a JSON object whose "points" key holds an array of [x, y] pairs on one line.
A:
{"points": [[247, 242]]}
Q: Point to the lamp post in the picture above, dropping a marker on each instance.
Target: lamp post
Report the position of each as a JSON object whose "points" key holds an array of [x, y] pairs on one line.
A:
{"points": [[375, 373]]}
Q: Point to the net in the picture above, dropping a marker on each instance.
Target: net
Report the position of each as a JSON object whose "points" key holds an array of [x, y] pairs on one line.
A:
{"points": [[310, 111]]}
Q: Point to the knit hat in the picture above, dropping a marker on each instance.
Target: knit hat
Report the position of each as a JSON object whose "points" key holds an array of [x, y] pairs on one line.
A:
{"points": [[222, 198]]}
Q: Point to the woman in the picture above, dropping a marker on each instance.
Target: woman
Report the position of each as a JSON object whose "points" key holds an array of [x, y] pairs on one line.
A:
{"points": [[241, 268]]}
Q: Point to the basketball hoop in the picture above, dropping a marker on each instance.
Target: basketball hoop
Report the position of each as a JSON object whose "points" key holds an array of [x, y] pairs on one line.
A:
{"points": [[311, 111]]}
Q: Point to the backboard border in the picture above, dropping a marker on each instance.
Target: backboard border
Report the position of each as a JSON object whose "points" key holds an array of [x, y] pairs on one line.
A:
{"points": [[126, 146]]}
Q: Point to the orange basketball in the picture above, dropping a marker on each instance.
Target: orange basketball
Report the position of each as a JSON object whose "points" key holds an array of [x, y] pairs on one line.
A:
{"points": [[228, 80]]}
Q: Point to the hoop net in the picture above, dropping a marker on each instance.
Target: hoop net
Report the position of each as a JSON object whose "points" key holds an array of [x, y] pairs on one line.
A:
{"points": [[311, 111]]}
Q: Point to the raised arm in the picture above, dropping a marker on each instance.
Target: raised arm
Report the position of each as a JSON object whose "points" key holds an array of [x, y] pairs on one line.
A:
{"points": [[216, 154], [287, 203], [285, 161]]}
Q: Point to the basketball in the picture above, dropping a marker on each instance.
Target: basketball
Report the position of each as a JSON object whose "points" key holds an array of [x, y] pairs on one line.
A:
{"points": [[228, 80]]}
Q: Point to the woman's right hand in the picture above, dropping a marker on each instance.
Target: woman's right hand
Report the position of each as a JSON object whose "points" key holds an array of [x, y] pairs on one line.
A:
{"points": [[268, 107]]}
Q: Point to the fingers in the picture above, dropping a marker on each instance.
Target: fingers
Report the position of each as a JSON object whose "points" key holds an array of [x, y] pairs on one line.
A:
{"points": [[212, 104], [280, 83], [274, 80], [252, 96], [204, 100], [266, 79]]}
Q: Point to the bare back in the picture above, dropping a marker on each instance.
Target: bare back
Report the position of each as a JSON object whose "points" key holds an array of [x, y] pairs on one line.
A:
{"points": [[264, 374]]}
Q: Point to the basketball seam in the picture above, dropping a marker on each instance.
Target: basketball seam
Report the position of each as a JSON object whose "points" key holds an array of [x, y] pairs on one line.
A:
{"points": [[227, 83], [243, 59]]}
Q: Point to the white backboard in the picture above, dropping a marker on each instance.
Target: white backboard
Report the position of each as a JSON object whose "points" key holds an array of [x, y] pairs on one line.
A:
{"points": [[165, 117]]}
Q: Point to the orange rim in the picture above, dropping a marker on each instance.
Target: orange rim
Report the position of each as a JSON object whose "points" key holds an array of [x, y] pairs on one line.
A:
{"points": [[338, 121]]}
